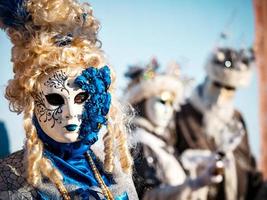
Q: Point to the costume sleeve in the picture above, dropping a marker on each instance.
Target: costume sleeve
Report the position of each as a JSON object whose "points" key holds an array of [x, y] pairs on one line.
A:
{"points": [[4, 194], [247, 163], [3, 185], [13, 185]]}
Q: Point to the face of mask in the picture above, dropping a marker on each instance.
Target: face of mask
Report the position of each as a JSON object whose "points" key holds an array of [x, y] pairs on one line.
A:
{"points": [[159, 111], [59, 105], [217, 94]]}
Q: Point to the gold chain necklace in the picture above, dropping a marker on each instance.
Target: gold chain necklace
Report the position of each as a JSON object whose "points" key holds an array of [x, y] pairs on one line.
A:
{"points": [[64, 193], [99, 179]]}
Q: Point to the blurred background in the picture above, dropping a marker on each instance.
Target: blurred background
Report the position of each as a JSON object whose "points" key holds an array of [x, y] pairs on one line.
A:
{"points": [[133, 32]]}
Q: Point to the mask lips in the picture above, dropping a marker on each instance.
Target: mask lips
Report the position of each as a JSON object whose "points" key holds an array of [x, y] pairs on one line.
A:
{"points": [[71, 127]]}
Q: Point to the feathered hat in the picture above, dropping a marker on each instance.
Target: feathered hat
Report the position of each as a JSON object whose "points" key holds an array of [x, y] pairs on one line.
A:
{"points": [[230, 67], [146, 82]]}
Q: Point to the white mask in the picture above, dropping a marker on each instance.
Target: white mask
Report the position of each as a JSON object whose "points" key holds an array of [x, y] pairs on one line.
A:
{"points": [[59, 105], [158, 111]]}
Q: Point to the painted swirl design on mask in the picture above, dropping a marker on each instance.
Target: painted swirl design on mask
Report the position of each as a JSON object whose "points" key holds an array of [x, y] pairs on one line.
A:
{"points": [[58, 81], [46, 114]]}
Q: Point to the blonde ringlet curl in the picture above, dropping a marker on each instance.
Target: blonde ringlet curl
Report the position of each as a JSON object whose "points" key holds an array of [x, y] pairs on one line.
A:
{"points": [[33, 147], [109, 149], [37, 165], [119, 122]]}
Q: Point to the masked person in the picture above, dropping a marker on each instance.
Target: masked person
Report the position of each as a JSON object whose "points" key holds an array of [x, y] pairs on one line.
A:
{"points": [[208, 122], [155, 96], [64, 88]]}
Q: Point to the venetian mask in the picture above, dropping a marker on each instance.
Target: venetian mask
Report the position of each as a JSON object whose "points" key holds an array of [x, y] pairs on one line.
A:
{"points": [[159, 109], [73, 104], [59, 105]]}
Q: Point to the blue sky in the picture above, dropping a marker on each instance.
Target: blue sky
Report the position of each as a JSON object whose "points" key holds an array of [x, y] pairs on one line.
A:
{"points": [[185, 31]]}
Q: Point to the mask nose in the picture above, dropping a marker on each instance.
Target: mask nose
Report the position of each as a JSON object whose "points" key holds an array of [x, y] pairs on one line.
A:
{"points": [[69, 110]]}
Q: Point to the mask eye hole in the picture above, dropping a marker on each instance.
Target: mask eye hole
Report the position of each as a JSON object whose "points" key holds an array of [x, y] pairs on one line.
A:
{"points": [[218, 85], [55, 99], [81, 97], [161, 101]]}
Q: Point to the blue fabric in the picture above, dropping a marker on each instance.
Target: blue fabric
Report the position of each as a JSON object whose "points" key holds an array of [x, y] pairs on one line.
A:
{"points": [[70, 159]]}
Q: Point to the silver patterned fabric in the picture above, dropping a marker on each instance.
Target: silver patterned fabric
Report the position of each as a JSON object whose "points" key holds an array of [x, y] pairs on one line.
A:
{"points": [[13, 184]]}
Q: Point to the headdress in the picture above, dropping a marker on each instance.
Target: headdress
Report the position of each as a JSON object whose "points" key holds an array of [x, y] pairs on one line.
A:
{"points": [[230, 67], [51, 34], [146, 82]]}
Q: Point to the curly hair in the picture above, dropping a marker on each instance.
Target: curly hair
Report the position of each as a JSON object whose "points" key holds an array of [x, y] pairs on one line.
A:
{"points": [[35, 53]]}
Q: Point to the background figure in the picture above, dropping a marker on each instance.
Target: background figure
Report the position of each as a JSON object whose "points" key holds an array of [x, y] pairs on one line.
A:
{"points": [[209, 121], [4, 141], [155, 97]]}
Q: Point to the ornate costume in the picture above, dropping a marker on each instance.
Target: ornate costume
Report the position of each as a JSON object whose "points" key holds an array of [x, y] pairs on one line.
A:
{"points": [[208, 117], [159, 174], [155, 158], [63, 87]]}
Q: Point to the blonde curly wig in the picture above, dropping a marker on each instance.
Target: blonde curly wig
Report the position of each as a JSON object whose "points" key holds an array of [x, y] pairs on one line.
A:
{"points": [[35, 53]]}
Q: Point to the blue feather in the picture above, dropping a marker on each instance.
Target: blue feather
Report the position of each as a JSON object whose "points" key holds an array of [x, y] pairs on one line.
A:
{"points": [[13, 13]]}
